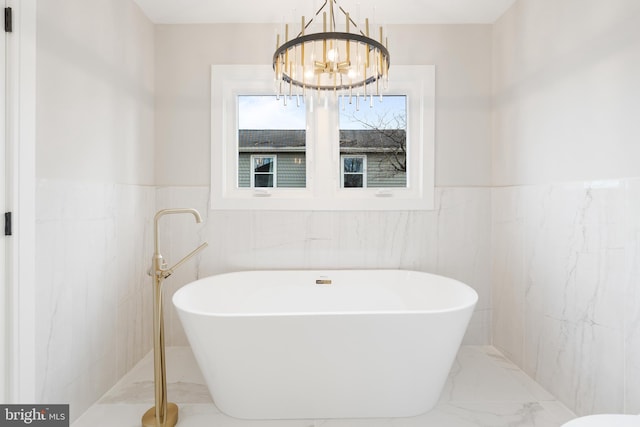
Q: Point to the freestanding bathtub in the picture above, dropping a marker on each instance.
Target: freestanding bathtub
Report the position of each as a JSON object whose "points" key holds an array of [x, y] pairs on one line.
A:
{"points": [[325, 344]]}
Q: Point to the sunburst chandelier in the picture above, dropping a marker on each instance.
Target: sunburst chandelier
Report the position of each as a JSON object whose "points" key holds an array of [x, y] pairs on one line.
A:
{"points": [[350, 63]]}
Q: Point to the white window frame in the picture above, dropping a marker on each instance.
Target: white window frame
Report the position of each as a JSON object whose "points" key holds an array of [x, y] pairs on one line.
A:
{"points": [[363, 173], [323, 185], [274, 172]]}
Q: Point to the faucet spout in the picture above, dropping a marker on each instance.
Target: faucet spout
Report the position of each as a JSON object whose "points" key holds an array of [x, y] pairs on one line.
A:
{"points": [[163, 212]]}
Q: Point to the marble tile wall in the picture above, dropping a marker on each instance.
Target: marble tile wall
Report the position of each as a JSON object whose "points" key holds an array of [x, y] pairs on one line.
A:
{"points": [[94, 245], [93, 312], [566, 278], [557, 269], [632, 301], [452, 240]]}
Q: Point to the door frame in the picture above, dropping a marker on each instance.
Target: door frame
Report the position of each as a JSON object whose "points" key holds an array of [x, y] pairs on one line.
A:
{"points": [[19, 351], [5, 177]]}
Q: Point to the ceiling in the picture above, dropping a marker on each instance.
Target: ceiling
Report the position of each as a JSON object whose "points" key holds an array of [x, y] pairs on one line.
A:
{"points": [[275, 11]]}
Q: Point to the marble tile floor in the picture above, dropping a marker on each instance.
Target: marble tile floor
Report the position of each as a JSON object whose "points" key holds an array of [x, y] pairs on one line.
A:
{"points": [[483, 390]]}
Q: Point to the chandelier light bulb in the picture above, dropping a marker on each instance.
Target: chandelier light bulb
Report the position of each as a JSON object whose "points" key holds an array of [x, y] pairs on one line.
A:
{"points": [[332, 55]]}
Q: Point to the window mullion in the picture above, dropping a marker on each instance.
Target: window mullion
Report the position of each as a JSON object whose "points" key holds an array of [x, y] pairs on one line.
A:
{"points": [[324, 128]]}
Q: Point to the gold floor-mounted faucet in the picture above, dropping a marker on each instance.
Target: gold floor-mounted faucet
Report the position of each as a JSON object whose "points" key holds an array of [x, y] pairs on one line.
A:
{"points": [[163, 414]]}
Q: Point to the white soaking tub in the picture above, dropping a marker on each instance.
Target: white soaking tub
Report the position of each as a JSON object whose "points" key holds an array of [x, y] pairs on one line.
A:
{"points": [[325, 344]]}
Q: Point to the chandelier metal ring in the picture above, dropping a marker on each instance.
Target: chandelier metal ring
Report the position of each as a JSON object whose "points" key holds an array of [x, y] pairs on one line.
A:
{"points": [[349, 37]]}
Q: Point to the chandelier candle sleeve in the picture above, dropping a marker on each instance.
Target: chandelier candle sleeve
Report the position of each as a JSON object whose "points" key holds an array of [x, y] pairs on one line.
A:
{"points": [[330, 59]]}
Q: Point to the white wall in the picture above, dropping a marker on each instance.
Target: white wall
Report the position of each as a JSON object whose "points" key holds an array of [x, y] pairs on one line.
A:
{"points": [[95, 200], [566, 92], [185, 53], [566, 206], [453, 240], [95, 89]]}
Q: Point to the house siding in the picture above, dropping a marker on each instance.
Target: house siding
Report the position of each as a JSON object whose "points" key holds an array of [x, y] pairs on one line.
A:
{"points": [[289, 146], [380, 173], [291, 170]]}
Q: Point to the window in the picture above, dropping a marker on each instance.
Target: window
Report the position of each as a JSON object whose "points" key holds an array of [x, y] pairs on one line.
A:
{"points": [[379, 135], [323, 161], [263, 171], [268, 129], [354, 171]]}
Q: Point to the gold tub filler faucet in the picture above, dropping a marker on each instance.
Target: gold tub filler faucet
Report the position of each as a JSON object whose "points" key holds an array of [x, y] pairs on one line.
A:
{"points": [[163, 414]]}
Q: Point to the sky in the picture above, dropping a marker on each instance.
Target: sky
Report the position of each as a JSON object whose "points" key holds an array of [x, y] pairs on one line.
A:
{"points": [[265, 112]]}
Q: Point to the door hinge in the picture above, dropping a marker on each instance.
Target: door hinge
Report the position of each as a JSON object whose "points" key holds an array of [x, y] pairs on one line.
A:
{"points": [[8, 20], [7, 224]]}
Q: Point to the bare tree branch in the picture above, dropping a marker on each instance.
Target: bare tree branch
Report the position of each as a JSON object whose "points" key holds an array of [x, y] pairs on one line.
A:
{"points": [[389, 130]]}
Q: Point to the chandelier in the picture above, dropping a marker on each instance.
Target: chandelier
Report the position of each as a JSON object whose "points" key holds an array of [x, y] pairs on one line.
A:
{"points": [[350, 63]]}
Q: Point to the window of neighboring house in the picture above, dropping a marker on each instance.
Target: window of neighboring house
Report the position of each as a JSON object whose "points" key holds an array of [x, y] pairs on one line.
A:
{"points": [[263, 171], [304, 154], [354, 171]]}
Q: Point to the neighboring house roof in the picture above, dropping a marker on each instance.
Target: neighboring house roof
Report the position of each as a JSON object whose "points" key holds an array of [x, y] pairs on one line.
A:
{"points": [[267, 140], [371, 140], [271, 141]]}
